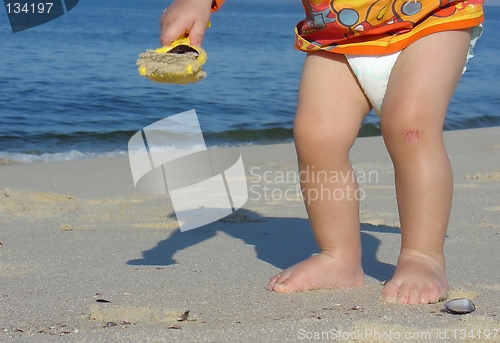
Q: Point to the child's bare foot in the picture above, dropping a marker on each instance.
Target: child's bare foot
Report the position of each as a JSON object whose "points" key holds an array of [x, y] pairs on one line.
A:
{"points": [[419, 279], [321, 271]]}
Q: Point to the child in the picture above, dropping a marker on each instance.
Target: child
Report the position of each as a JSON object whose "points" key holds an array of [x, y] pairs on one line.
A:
{"points": [[417, 51]]}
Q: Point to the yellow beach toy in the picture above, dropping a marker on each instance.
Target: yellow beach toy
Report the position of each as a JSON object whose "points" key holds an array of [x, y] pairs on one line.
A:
{"points": [[179, 63]]}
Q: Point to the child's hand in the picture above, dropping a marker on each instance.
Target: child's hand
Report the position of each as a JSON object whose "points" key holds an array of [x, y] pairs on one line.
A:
{"points": [[185, 17]]}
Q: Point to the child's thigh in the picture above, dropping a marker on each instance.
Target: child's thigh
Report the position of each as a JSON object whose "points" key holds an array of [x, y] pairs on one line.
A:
{"points": [[330, 102], [423, 80]]}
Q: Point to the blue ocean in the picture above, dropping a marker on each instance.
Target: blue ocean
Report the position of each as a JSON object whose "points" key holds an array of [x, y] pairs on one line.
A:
{"points": [[69, 89]]}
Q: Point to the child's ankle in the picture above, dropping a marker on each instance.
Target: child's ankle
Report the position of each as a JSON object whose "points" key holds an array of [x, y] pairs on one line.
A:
{"points": [[434, 256], [347, 255]]}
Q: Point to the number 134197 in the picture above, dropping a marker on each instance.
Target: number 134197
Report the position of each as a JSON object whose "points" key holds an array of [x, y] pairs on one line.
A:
{"points": [[28, 8]]}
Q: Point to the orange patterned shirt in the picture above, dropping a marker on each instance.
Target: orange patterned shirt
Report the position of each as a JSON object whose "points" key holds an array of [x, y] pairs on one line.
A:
{"points": [[378, 27]]}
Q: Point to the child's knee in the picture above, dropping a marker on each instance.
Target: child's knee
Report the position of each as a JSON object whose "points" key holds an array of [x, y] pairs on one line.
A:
{"points": [[411, 125], [329, 140], [402, 133]]}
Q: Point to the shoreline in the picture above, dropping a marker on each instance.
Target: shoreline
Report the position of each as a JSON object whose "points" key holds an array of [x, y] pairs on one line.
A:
{"points": [[9, 158], [77, 231]]}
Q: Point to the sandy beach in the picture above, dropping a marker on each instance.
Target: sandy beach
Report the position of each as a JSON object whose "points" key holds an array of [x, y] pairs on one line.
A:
{"points": [[73, 233]]}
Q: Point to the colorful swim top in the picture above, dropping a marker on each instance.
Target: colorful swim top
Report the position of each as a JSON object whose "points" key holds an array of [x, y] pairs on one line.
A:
{"points": [[379, 27]]}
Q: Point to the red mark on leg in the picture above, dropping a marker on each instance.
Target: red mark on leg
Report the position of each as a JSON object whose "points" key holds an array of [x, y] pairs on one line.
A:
{"points": [[410, 135]]}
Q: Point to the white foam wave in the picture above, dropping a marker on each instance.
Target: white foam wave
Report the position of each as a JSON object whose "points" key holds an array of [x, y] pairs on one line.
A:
{"points": [[20, 158], [72, 155]]}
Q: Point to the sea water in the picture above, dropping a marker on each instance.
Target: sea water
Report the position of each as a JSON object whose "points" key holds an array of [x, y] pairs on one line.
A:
{"points": [[69, 89]]}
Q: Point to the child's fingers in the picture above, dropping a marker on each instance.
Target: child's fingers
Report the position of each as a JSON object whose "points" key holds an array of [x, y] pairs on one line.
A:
{"points": [[167, 37], [181, 18], [197, 32], [171, 32]]}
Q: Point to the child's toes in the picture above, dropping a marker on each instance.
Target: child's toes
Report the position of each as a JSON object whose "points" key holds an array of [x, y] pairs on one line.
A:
{"points": [[281, 287], [425, 295], [436, 295], [273, 280], [390, 292], [414, 296], [404, 293], [286, 285], [280, 283]]}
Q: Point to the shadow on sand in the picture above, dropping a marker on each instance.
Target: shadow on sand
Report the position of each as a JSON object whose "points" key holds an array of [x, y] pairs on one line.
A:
{"points": [[294, 235]]}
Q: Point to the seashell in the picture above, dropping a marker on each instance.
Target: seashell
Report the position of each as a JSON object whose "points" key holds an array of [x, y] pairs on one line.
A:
{"points": [[102, 301], [183, 316], [459, 306]]}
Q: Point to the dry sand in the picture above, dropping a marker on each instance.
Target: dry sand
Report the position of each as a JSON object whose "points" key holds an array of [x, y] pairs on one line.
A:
{"points": [[75, 232]]}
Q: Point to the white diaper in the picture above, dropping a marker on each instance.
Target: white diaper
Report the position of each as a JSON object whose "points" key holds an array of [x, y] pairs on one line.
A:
{"points": [[373, 75], [373, 71]]}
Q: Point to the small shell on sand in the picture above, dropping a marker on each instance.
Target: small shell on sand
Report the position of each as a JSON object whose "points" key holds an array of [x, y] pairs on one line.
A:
{"points": [[459, 306], [183, 316]]}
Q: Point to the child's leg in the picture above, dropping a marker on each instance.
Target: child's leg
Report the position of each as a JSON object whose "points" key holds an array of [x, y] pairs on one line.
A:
{"points": [[419, 90], [331, 107]]}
